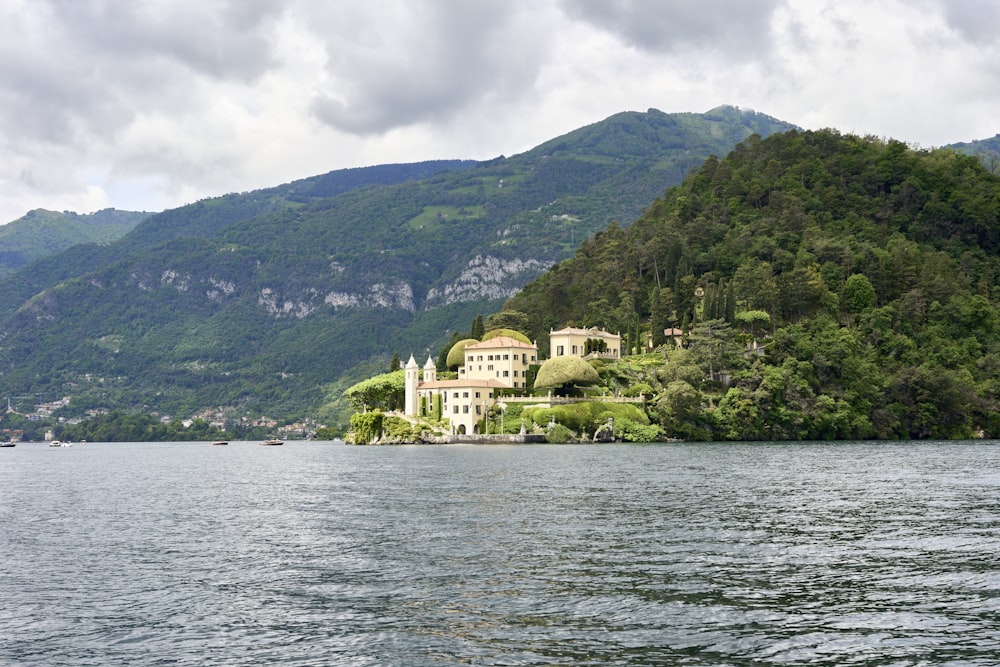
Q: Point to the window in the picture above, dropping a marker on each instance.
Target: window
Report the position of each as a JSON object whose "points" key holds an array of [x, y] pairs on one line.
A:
{"points": [[506, 357], [477, 394], [515, 373], [516, 357], [456, 410], [506, 374], [479, 409], [465, 394], [574, 349], [489, 367], [560, 351], [465, 409], [455, 395]]}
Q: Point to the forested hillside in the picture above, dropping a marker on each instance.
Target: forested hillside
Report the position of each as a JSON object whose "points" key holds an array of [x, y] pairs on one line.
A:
{"points": [[827, 286], [265, 303], [987, 150], [41, 233]]}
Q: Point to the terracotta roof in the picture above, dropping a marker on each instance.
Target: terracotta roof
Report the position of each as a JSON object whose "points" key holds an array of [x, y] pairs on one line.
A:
{"points": [[594, 331], [500, 341], [458, 384]]}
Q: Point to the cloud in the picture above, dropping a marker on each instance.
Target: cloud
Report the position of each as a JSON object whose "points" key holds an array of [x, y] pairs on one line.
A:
{"points": [[673, 26], [155, 103], [975, 20], [397, 64]]}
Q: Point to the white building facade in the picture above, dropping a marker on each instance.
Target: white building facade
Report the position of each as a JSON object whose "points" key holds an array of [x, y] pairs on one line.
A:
{"points": [[573, 342], [492, 366]]}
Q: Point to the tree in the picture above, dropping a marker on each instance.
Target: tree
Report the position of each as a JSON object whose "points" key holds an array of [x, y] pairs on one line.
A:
{"points": [[456, 355], [563, 374], [754, 321], [680, 408], [508, 319], [713, 345], [395, 364], [859, 294], [510, 333], [383, 391], [477, 328], [442, 360]]}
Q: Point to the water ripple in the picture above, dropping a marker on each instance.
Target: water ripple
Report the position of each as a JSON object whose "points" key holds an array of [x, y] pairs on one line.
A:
{"points": [[737, 554]]}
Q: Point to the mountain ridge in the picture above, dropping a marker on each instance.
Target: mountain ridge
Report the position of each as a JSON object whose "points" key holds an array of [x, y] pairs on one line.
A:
{"points": [[258, 303], [827, 286], [42, 233]]}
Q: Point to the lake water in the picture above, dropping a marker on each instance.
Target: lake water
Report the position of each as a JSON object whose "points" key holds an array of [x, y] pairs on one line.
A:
{"points": [[671, 554]]}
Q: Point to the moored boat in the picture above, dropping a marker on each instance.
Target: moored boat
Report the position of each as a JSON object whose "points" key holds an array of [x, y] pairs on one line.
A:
{"points": [[273, 441], [9, 443]]}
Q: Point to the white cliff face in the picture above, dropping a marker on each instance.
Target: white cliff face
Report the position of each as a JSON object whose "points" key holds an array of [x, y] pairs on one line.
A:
{"points": [[399, 296], [181, 281], [219, 288], [274, 300], [487, 277], [379, 295]]}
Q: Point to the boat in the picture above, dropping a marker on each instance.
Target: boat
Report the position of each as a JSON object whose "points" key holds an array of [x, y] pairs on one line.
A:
{"points": [[220, 442], [9, 443], [60, 443], [273, 441]]}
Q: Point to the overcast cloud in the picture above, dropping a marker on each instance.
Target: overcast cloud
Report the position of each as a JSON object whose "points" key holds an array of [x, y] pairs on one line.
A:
{"points": [[150, 104]]}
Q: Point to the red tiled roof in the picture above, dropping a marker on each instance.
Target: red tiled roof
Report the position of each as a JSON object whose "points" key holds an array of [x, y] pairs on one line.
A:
{"points": [[500, 342]]}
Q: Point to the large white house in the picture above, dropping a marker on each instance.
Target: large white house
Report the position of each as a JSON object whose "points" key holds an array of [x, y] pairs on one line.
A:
{"points": [[573, 342], [490, 367]]}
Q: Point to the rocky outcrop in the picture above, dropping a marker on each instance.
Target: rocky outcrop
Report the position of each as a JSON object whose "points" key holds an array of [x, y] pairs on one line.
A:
{"points": [[379, 295], [487, 277], [606, 433]]}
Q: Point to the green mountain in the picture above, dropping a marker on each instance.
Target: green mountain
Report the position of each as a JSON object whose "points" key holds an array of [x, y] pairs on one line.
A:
{"points": [[987, 150], [261, 303], [42, 233], [828, 286]]}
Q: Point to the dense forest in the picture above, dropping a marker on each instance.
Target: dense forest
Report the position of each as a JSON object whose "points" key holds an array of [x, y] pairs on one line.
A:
{"points": [[809, 285], [42, 233]]}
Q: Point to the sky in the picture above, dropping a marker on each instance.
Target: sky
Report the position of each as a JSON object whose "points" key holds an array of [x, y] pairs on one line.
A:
{"points": [[152, 104]]}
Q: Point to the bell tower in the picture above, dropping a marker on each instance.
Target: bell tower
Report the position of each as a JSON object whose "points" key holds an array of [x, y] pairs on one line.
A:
{"points": [[412, 382]]}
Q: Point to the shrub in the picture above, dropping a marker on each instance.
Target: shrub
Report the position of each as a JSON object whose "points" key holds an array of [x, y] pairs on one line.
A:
{"points": [[559, 434], [456, 355], [560, 373], [510, 333], [584, 418], [366, 426], [640, 389], [631, 431], [397, 429]]}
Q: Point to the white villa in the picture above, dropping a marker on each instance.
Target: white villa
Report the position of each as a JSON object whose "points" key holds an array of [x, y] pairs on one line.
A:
{"points": [[573, 342], [490, 366]]}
